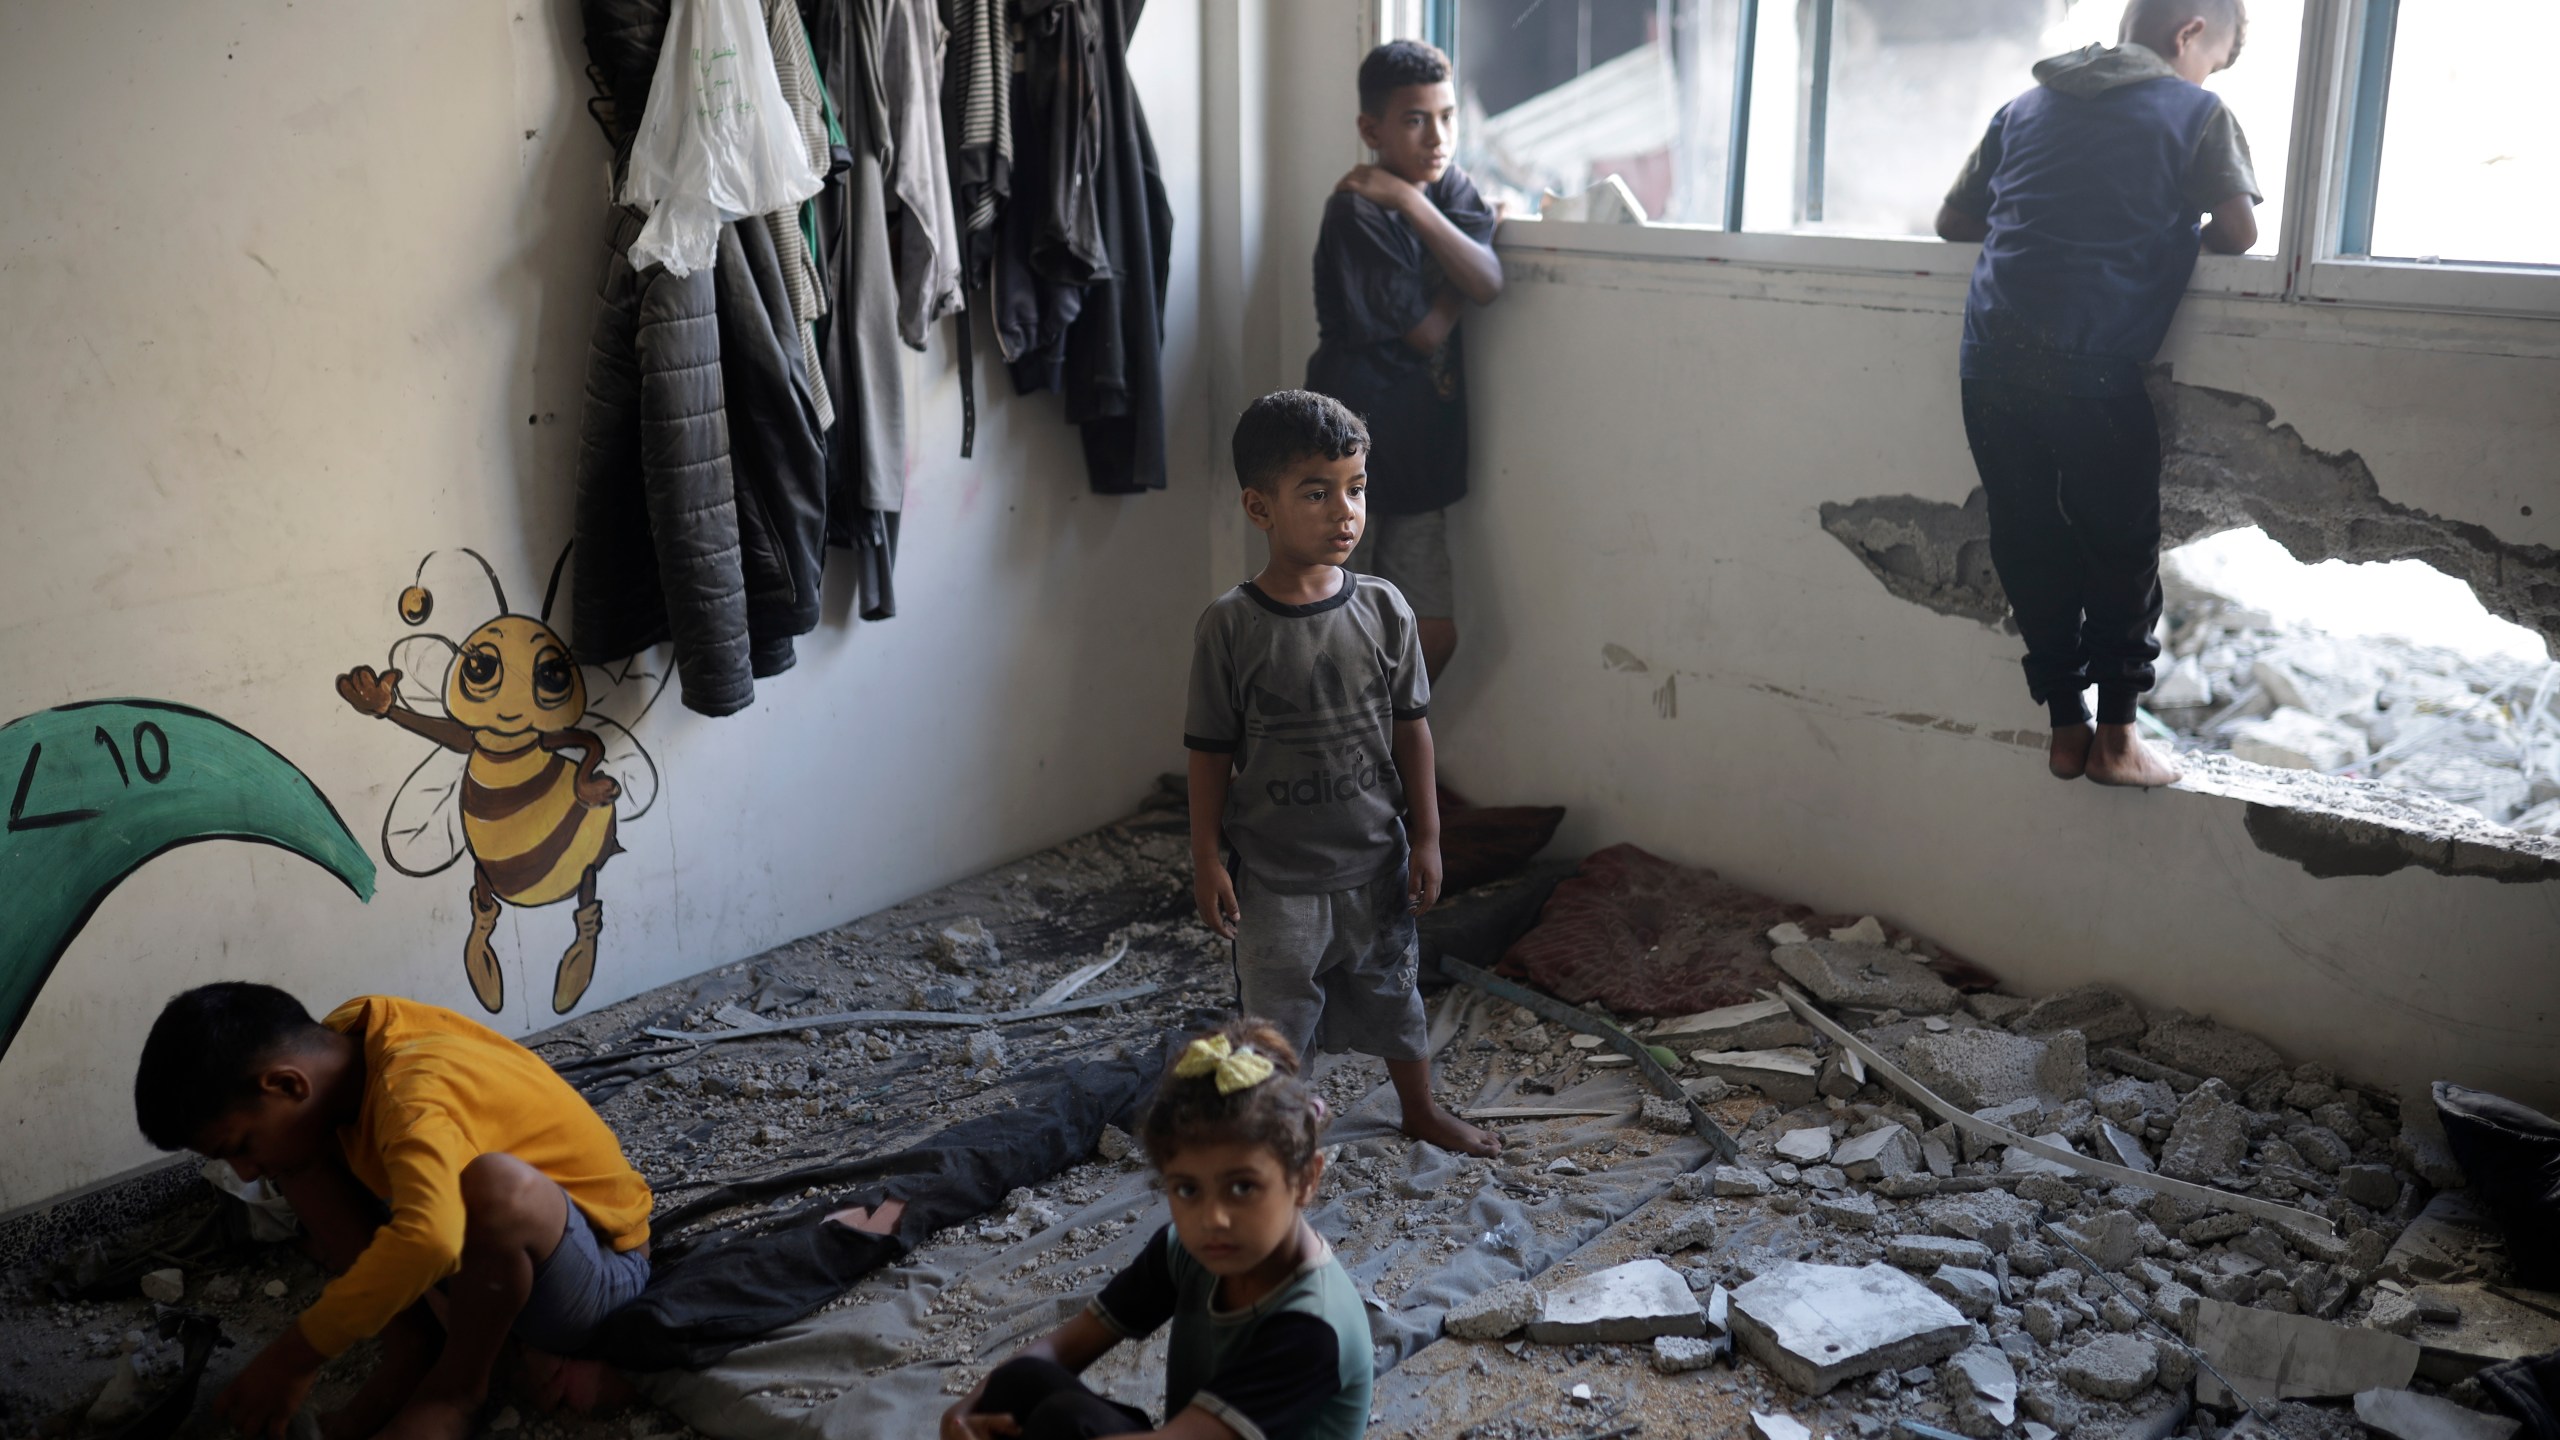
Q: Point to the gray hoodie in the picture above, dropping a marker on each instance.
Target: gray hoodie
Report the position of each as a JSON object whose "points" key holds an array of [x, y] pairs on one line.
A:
{"points": [[2221, 168]]}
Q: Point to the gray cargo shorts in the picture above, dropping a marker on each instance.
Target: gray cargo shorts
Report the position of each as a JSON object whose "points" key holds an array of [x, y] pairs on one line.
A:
{"points": [[1411, 552], [577, 1287], [1342, 969]]}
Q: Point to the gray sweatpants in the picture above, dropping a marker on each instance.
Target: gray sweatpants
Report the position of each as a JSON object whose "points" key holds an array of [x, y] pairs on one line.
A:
{"points": [[1340, 968]]}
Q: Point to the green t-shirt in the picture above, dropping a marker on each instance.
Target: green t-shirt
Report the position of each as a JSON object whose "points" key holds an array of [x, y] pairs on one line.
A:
{"points": [[1295, 1365]]}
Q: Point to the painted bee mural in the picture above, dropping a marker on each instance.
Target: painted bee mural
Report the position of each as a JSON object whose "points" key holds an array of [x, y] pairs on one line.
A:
{"points": [[506, 708]]}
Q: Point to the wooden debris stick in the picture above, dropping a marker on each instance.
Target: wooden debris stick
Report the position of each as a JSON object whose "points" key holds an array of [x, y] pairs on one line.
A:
{"points": [[1080, 977], [2100, 1169], [1573, 1017], [909, 1017], [1544, 1112]]}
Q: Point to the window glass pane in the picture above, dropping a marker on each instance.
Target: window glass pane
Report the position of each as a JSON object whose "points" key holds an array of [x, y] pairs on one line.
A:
{"points": [[2470, 137], [1914, 82], [1556, 94]]}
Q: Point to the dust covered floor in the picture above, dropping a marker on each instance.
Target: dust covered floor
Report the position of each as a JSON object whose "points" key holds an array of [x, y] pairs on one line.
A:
{"points": [[1422, 1231]]}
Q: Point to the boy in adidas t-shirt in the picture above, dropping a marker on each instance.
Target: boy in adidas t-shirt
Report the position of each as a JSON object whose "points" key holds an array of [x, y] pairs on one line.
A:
{"points": [[1311, 764]]}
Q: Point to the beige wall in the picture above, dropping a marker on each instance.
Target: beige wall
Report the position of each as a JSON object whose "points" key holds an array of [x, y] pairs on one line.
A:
{"points": [[284, 283]]}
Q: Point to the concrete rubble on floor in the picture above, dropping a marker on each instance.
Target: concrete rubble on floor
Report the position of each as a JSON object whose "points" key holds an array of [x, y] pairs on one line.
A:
{"points": [[1635, 1301], [1817, 1325], [2408, 1415], [2268, 1355]]}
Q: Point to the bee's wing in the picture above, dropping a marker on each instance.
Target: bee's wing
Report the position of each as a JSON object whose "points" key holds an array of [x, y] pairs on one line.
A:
{"points": [[423, 661], [422, 831], [623, 691], [629, 765]]}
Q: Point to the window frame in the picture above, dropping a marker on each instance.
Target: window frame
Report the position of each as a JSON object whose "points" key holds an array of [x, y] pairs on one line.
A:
{"points": [[2341, 89]]}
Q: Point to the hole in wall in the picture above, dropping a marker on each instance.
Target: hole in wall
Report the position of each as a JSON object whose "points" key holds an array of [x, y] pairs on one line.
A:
{"points": [[2391, 672]]}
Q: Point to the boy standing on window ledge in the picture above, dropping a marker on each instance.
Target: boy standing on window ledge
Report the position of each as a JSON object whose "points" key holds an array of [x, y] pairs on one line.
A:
{"points": [[2084, 194], [1310, 740], [1407, 246]]}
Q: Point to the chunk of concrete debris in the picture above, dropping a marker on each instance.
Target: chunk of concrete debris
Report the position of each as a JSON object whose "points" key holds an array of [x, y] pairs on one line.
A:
{"points": [[1736, 1181], [1980, 1377], [2019, 1160], [2210, 1138], [1930, 1252], [1786, 1076], [1759, 1025], [1817, 1325], [2372, 1186], [2122, 1148], [2131, 1101], [2102, 1015], [166, 1286], [1974, 1293], [1113, 1143], [1493, 1313], [1878, 1154], [2464, 1327], [1849, 1210], [1675, 1354], [1993, 1009], [1665, 1117], [1693, 1231], [2408, 1415], [2112, 1367], [1788, 932], [2112, 1238], [1872, 977], [2292, 739], [273, 1289], [1809, 1145], [1938, 1152], [1867, 931], [1980, 1068], [1779, 1427], [2392, 1312], [1634, 1301], [2200, 1047], [964, 947], [1842, 1074], [2267, 1355]]}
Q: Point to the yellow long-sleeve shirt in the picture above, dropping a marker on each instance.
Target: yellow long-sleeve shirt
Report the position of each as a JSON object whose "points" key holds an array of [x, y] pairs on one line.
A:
{"points": [[439, 1092]]}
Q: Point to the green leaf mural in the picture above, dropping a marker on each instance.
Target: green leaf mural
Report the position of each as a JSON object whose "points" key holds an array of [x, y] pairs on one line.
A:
{"points": [[98, 788]]}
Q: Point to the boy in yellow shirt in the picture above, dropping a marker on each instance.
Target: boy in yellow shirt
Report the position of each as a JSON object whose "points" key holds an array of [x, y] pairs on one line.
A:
{"points": [[418, 1148]]}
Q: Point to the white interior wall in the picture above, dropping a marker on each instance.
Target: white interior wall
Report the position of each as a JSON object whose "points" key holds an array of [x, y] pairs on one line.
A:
{"points": [[285, 283], [1652, 441]]}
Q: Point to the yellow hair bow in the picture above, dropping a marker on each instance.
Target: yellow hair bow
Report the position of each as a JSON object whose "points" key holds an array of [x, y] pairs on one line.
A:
{"points": [[1237, 1067]]}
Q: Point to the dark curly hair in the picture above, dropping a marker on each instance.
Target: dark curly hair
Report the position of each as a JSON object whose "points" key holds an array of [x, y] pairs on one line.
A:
{"points": [[1393, 66], [1287, 426], [1281, 1112]]}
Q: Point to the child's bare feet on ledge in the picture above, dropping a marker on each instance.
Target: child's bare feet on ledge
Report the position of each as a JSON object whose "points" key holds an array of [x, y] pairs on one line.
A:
{"points": [[2068, 756], [2117, 758], [1439, 1127]]}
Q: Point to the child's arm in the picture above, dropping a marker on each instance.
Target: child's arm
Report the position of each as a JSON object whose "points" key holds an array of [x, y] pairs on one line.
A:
{"points": [[1211, 887], [1962, 228], [1432, 331], [1422, 811], [1473, 269], [1075, 1345], [2234, 227]]}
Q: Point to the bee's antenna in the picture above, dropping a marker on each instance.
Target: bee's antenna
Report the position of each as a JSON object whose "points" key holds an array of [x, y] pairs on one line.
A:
{"points": [[485, 568], [551, 591]]}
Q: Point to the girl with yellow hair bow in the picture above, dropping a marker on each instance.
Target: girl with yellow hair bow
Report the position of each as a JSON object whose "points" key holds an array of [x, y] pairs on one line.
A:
{"points": [[1269, 1337]]}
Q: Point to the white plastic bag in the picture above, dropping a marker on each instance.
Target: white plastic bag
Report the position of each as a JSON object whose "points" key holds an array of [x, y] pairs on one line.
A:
{"points": [[718, 143]]}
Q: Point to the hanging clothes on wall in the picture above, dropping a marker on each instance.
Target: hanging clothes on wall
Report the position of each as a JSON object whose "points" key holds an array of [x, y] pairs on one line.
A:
{"points": [[777, 449], [794, 230], [919, 171], [1115, 350], [1049, 238], [1095, 216], [977, 128], [858, 342]]}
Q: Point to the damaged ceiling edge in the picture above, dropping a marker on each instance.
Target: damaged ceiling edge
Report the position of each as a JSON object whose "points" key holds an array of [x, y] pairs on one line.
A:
{"points": [[2225, 465]]}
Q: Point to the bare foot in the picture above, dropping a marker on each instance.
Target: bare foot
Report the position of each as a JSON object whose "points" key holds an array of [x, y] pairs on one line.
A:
{"points": [[437, 1418], [2117, 758], [1438, 1127], [2068, 756]]}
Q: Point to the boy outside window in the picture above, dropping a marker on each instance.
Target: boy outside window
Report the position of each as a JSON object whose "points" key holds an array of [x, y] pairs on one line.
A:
{"points": [[1311, 757], [1407, 246], [416, 1147], [2084, 194]]}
